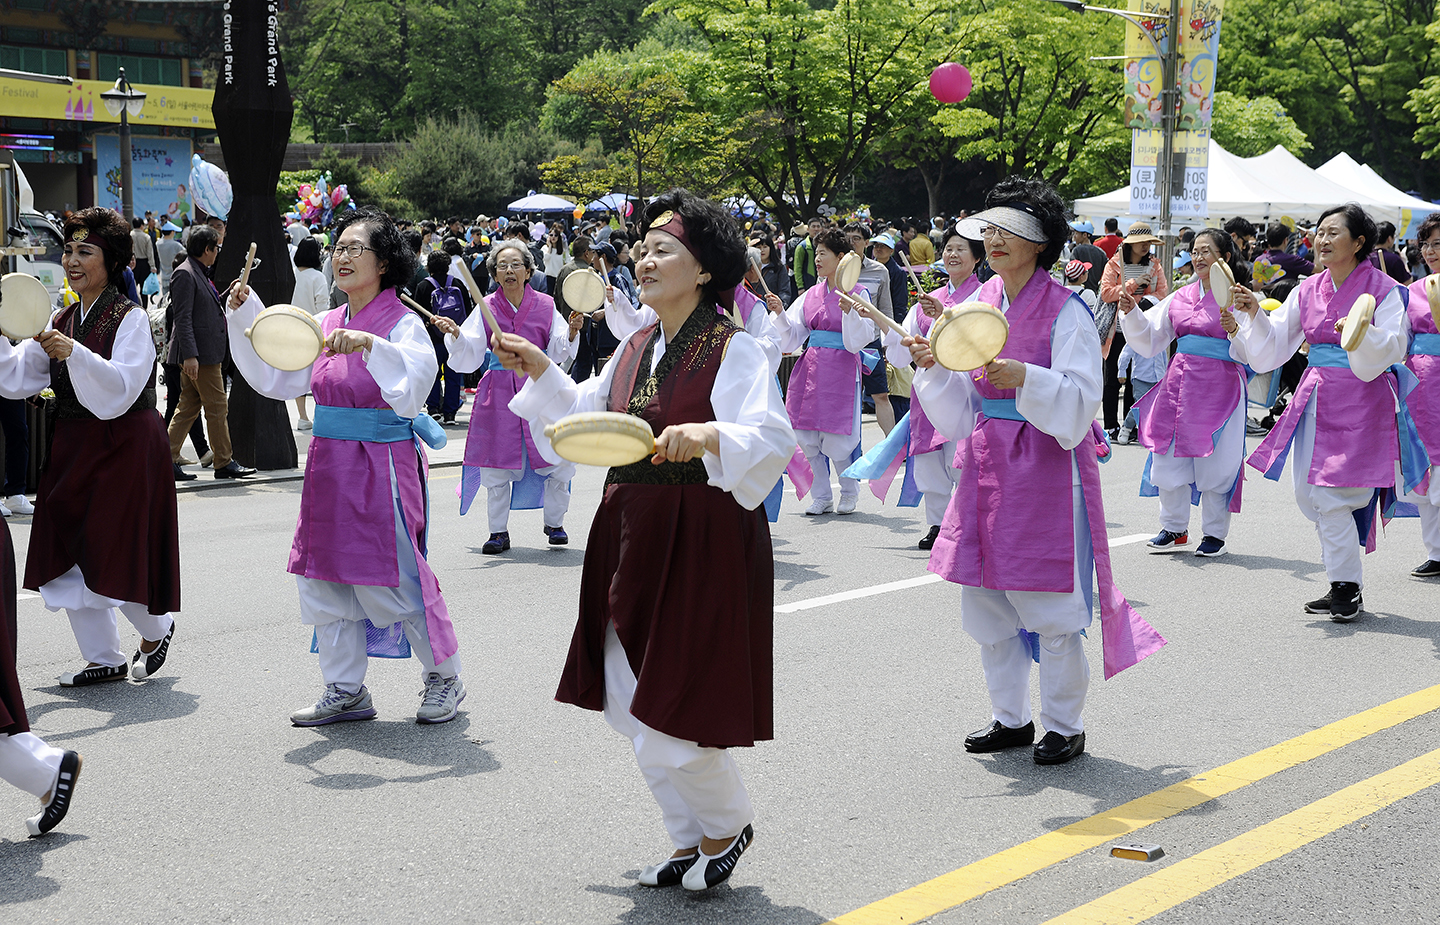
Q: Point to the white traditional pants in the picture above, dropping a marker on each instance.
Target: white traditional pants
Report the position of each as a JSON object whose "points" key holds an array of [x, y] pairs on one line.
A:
{"points": [[93, 620], [498, 482], [825, 452], [1429, 505], [1331, 510], [994, 618], [338, 612], [28, 763], [699, 789], [935, 476], [1213, 475]]}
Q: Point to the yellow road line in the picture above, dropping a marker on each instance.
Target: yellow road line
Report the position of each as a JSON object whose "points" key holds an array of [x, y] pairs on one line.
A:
{"points": [[960, 886], [1188, 878]]}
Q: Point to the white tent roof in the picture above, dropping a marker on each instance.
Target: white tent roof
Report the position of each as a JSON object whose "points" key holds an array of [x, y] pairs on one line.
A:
{"points": [[1343, 169], [1263, 188]]}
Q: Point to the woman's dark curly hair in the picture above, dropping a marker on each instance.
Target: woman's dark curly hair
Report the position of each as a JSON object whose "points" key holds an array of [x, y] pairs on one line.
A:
{"points": [[1046, 205], [110, 227], [1223, 243], [1428, 227], [977, 248], [1360, 225], [834, 240], [386, 241], [712, 232]]}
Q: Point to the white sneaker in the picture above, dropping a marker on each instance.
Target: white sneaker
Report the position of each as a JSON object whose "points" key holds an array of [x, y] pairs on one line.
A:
{"points": [[185, 461], [18, 504], [818, 506], [847, 504], [304, 424], [440, 700]]}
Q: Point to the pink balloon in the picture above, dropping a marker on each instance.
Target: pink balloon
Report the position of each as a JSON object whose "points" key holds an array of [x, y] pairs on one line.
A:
{"points": [[950, 82]]}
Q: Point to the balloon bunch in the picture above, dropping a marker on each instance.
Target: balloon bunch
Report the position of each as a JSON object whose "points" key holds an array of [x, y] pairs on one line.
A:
{"points": [[317, 203]]}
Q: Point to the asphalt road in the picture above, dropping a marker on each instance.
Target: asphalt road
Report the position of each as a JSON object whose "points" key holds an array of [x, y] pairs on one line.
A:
{"points": [[200, 803]]}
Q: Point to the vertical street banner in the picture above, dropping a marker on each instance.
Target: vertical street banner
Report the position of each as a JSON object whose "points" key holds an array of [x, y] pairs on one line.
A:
{"points": [[1199, 46]]}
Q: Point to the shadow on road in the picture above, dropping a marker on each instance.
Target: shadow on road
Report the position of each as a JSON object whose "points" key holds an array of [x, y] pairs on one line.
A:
{"points": [[745, 905], [562, 556], [127, 703], [1391, 624], [20, 879], [441, 751], [1107, 781], [1297, 568]]}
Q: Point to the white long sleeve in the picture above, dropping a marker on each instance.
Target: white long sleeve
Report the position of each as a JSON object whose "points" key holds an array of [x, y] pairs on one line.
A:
{"points": [[756, 440], [107, 388], [404, 367], [1271, 338], [467, 352], [1150, 332], [1060, 401], [624, 317], [791, 329], [896, 354]]}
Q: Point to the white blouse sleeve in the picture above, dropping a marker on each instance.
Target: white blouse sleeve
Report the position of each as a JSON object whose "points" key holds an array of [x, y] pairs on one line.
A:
{"points": [[1151, 331], [756, 441], [1386, 340], [404, 366], [896, 355], [761, 326], [624, 318], [950, 400], [467, 352], [108, 388], [262, 377], [857, 330], [1271, 338], [790, 327], [561, 349], [24, 369], [1062, 400]]}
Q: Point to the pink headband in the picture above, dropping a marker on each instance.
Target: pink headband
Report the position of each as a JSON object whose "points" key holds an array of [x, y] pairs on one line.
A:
{"points": [[672, 224], [83, 235]]}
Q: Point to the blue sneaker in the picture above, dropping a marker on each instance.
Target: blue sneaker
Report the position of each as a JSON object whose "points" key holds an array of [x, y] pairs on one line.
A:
{"points": [[498, 543], [558, 536], [1165, 541], [1210, 547]]}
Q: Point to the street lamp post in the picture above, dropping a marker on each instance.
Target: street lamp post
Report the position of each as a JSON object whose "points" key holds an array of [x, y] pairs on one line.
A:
{"points": [[123, 100]]}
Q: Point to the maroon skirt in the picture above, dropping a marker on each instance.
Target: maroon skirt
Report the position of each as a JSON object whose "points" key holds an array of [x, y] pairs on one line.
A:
{"points": [[688, 577], [107, 504], [12, 703]]}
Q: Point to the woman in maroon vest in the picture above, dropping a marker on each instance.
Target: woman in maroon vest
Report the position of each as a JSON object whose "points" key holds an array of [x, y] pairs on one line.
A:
{"points": [[674, 637], [105, 535]]}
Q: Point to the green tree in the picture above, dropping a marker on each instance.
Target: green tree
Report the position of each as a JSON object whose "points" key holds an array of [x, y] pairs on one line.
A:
{"points": [[459, 167], [1248, 128]]}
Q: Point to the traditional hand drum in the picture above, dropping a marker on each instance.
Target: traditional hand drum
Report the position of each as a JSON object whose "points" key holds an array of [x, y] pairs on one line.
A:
{"points": [[1352, 330], [25, 307], [847, 274], [602, 438], [286, 337], [1221, 279], [584, 290], [1432, 295], [968, 336]]}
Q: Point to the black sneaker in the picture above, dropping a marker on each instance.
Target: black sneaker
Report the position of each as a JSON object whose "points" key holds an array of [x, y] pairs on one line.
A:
{"points": [[713, 870], [1344, 601], [498, 543], [928, 540], [145, 664], [1429, 569], [558, 536], [55, 810], [1210, 547]]}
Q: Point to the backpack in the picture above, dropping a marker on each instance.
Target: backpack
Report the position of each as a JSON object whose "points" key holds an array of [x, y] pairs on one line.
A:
{"points": [[446, 300]]}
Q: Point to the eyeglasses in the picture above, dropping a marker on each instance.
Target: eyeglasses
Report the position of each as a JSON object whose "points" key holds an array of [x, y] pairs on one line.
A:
{"points": [[1430, 246], [507, 265], [352, 250], [995, 232], [1204, 253]]}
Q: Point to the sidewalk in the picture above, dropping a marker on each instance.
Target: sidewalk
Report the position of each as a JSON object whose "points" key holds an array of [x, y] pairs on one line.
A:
{"points": [[452, 454]]}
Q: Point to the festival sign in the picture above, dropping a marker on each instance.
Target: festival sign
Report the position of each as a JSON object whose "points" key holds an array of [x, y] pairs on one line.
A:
{"points": [[1144, 83], [80, 101], [159, 171]]}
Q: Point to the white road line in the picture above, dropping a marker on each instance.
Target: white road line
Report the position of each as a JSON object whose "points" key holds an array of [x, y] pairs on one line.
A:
{"points": [[26, 596], [889, 586]]}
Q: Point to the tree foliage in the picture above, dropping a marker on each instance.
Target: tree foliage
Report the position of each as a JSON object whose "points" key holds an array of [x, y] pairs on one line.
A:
{"points": [[458, 167], [1249, 128]]}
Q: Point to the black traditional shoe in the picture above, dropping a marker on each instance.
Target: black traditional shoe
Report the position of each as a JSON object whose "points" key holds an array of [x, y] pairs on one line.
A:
{"points": [[1430, 569], [713, 870], [999, 736], [1319, 605], [145, 664], [233, 470], [95, 674], [668, 872], [1058, 749], [55, 810], [1344, 601], [182, 476], [498, 543], [928, 541], [558, 536]]}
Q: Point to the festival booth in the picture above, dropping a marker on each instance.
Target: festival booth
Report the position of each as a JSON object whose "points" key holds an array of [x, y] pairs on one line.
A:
{"points": [[1343, 169]]}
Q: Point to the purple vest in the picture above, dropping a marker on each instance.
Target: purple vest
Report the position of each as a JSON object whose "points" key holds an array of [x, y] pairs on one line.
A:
{"points": [[497, 434], [346, 530], [1356, 439], [1424, 401], [924, 438], [1207, 390], [1010, 524], [821, 394], [745, 302]]}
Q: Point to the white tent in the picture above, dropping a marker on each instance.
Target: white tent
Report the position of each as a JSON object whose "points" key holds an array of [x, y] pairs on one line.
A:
{"points": [[1274, 185], [1343, 169]]}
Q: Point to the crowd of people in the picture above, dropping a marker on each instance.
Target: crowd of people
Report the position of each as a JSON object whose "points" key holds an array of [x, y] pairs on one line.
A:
{"points": [[751, 356]]}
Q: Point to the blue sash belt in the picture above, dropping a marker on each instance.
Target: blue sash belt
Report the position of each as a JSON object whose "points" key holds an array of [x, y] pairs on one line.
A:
{"points": [[1427, 345], [1199, 345], [1002, 408], [375, 425], [1414, 461], [834, 340]]}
